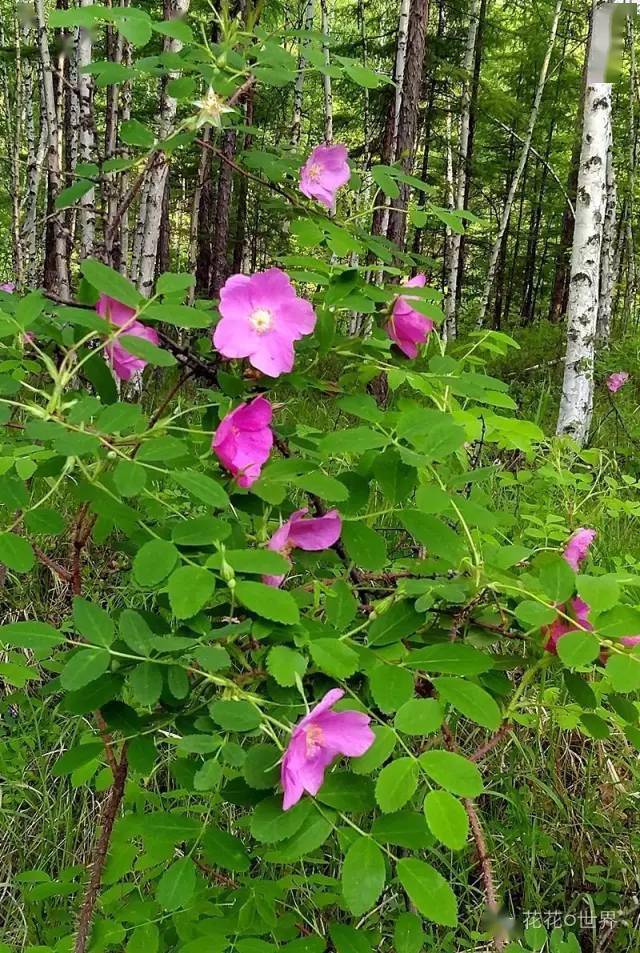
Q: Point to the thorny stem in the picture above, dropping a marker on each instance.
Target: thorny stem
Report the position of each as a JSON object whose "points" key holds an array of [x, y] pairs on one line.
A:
{"points": [[111, 807]]}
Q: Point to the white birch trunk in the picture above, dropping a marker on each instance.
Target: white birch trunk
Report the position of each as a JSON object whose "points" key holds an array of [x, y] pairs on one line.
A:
{"points": [[52, 150], [86, 144], [157, 178], [398, 71], [607, 277], [524, 155], [326, 79], [576, 404], [453, 263], [307, 24]]}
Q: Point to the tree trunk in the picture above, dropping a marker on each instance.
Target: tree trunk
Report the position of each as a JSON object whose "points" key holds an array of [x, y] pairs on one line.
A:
{"points": [[576, 404], [326, 79], [605, 296], [307, 26], [495, 251], [408, 119], [243, 194], [452, 266], [219, 266], [157, 176], [87, 211], [57, 274]]}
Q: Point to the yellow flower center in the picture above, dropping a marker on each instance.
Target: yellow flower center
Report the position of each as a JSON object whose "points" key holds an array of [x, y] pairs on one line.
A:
{"points": [[314, 172], [261, 320], [315, 739]]}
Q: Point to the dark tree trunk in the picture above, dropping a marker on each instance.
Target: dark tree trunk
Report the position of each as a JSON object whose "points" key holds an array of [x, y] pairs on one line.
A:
{"points": [[241, 205], [408, 120], [163, 258], [205, 219], [219, 267]]}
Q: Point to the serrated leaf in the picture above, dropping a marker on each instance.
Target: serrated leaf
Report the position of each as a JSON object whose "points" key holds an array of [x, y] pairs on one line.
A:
{"points": [[429, 891], [154, 561], [177, 885], [419, 716], [93, 622], [145, 681], [334, 658], [447, 819], [190, 588], [396, 784], [470, 700], [363, 875], [84, 666], [452, 772], [576, 649], [284, 664]]}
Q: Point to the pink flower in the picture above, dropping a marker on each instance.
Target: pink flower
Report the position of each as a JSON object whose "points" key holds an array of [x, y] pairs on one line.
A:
{"points": [[124, 364], [261, 318], [615, 381], [406, 327], [316, 741], [580, 610], [630, 640], [243, 440], [325, 171], [575, 552], [312, 534], [8, 286]]}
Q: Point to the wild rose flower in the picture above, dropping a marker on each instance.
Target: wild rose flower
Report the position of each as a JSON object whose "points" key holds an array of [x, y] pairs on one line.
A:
{"points": [[316, 741], [325, 171], [579, 610], [407, 327], [311, 534], [575, 552], [615, 381], [630, 640], [125, 365], [261, 318], [243, 440], [8, 286]]}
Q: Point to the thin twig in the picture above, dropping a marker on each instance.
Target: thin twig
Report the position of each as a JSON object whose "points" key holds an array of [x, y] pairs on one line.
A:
{"points": [[492, 743]]}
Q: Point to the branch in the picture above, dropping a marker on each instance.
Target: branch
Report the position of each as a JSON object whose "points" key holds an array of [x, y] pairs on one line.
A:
{"points": [[492, 743], [85, 919]]}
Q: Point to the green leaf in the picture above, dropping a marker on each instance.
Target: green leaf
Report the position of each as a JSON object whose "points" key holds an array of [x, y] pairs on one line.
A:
{"points": [[212, 658], [190, 588], [110, 282], [235, 715], [408, 935], [224, 850], [270, 824], [71, 195], [284, 664], [341, 605], [133, 628], [623, 671], [268, 602], [334, 658], [144, 349], [435, 535], [398, 622], [450, 658], [577, 649], [44, 522], [16, 553], [145, 681], [202, 487], [396, 784], [347, 939], [391, 686], [470, 700], [364, 546], [135, 133], [356, 440], [77, 758], [259, 561], [326, 487], [404, 829], [429, 891], [447, 819], [39, 636], [534, 615], [261, 768], [452, 772], [177, 885], [557, 579], [129, 478], [599, 592], [363, 875], [347, 792], [93, 622], [154, 561], [378, 753], [201, 531], [83, 667], [419, 716]]}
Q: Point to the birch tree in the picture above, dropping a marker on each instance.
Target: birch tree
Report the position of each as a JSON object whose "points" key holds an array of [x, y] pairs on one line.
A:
{"points": [[453, 257], [298, 89], [59, 251], [326, 78], [576, 403], [150, 213], [524, 155], [86, 145]]}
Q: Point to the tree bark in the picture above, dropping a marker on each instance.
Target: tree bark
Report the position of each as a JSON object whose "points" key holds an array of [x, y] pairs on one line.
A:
{"points": [[57, 274], [452, 266], [326, 79], [408, 119], [576, 404], [151, 203], [298, 90], [605, 295], [86, 144], [524, 155], [219, 266]]}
